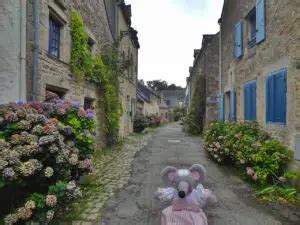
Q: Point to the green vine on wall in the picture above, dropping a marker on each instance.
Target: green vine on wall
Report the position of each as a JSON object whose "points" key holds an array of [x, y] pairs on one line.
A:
{"points": [[105, 69], [81, 59], [195, 118]]}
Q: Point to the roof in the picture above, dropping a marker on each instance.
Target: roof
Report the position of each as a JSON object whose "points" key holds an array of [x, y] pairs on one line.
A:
{"points": [[180, 94], [144, 92]]}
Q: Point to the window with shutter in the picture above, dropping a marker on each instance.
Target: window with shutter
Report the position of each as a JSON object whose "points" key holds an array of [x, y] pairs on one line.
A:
{"points": [[238, 40], [276, 97], [260, 21], [250, 101]]}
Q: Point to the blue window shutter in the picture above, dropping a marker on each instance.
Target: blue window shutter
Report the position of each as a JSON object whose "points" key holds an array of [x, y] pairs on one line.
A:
{"points": [[280, 97], [253, 100], [260, 21], [270, 99], [246, 102], [233, 105], [221, 110], [250, 101], [238, 39]]}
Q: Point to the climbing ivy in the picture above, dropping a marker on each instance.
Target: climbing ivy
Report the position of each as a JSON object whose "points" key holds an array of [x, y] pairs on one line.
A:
{"points": [[81, 59], [105, 69], [195, 118]]}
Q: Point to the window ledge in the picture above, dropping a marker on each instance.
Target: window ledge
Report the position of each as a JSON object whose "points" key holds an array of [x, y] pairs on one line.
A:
{"points": [[56, 59], [276, 124]]}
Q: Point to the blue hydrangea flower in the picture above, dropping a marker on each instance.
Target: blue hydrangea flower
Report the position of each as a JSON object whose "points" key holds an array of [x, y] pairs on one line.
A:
{"points": [[76, 105], [20, 103], [90, 116], [60, 101]]}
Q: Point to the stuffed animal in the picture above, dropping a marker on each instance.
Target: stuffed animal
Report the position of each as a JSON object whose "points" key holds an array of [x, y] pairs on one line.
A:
{"points": [[186, 194]]}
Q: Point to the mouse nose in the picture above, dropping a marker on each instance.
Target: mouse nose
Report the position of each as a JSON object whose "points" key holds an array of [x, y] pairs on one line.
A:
{"points": [[181, 194]]}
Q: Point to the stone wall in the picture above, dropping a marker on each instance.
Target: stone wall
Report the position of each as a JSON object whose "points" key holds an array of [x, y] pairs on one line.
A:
{"points": [[128, 82], [206, 64], [54, 73], [12, 51], [279, 50], [210, 47]]}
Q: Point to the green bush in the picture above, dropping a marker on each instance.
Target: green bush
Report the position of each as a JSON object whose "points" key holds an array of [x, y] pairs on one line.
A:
{"points": [[153, 120], [139, 123], [179, 113], [245, 145]]}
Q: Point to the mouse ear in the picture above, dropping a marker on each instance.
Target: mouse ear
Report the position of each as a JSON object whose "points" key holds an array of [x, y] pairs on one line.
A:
{"points": [[169, 174], [198, 173]]}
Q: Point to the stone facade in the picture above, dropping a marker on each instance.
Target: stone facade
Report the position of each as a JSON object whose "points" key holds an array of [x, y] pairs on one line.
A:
{"points": [[12, 51], [149, 101], [279, 50], [129, 47], [206, 64], [53, 73]]}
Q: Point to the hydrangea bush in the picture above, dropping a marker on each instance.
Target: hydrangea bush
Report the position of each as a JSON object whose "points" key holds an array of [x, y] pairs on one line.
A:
{"points": [[42, 144], [262, 159]]}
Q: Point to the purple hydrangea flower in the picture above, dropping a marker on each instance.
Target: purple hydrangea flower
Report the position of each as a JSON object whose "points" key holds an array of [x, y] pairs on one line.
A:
{"points": [[20, 103], [76, 105], [60, 101], [90, 116]]}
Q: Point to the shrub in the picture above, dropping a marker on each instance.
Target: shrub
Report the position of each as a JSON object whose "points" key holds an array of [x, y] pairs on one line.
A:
{"points": [[179, 113], [245, 145], [153, 120], [41, 143], [139, 123]]}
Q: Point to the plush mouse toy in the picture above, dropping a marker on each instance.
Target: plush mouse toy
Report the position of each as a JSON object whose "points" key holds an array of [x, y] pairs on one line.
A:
{"points": [[186, 194]]}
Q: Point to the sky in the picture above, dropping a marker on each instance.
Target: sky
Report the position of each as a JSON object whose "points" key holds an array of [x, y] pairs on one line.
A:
{"points": [[169, 31]]}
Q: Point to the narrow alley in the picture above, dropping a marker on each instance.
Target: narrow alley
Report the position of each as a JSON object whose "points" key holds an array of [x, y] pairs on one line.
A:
{"points": [[135, 203]]}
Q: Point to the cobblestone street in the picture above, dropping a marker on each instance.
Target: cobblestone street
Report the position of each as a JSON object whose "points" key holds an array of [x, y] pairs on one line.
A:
{"points": [[135, 204], [111, 172]]}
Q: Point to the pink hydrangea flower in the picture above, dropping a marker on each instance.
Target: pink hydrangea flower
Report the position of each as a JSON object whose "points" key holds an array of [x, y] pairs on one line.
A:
{"points": [[255, 177], [51, 200], [242, 161], [250, 171]]}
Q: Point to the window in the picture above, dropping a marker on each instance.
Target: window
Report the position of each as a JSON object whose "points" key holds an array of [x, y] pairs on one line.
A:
{"points": [[252, 28], [276, 87], [250, 100], [54, 37], [91, 44], [88, 103], [238, 48]]}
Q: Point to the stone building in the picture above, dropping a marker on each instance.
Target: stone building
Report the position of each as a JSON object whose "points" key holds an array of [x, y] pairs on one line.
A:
{"points": [[148, 100], [35, 54], [260, 66], [12, 51], [206, 65], [129, 47], [49, 50]]}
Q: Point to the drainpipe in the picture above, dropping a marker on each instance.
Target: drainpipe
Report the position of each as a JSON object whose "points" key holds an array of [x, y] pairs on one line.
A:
{"points": [[220, 59], [118, 3], [35, 64], [22, 78]]}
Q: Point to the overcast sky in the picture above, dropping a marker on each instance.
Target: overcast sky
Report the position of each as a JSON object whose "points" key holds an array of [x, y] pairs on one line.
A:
{"points": [[169, 31]]}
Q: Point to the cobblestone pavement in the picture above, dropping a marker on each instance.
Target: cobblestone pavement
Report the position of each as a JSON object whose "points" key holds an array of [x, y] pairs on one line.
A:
{"points": [[134, 203], [111, 172]]}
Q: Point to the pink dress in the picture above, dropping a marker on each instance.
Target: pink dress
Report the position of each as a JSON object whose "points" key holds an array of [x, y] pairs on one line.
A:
{"points": [[188, 211]]}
